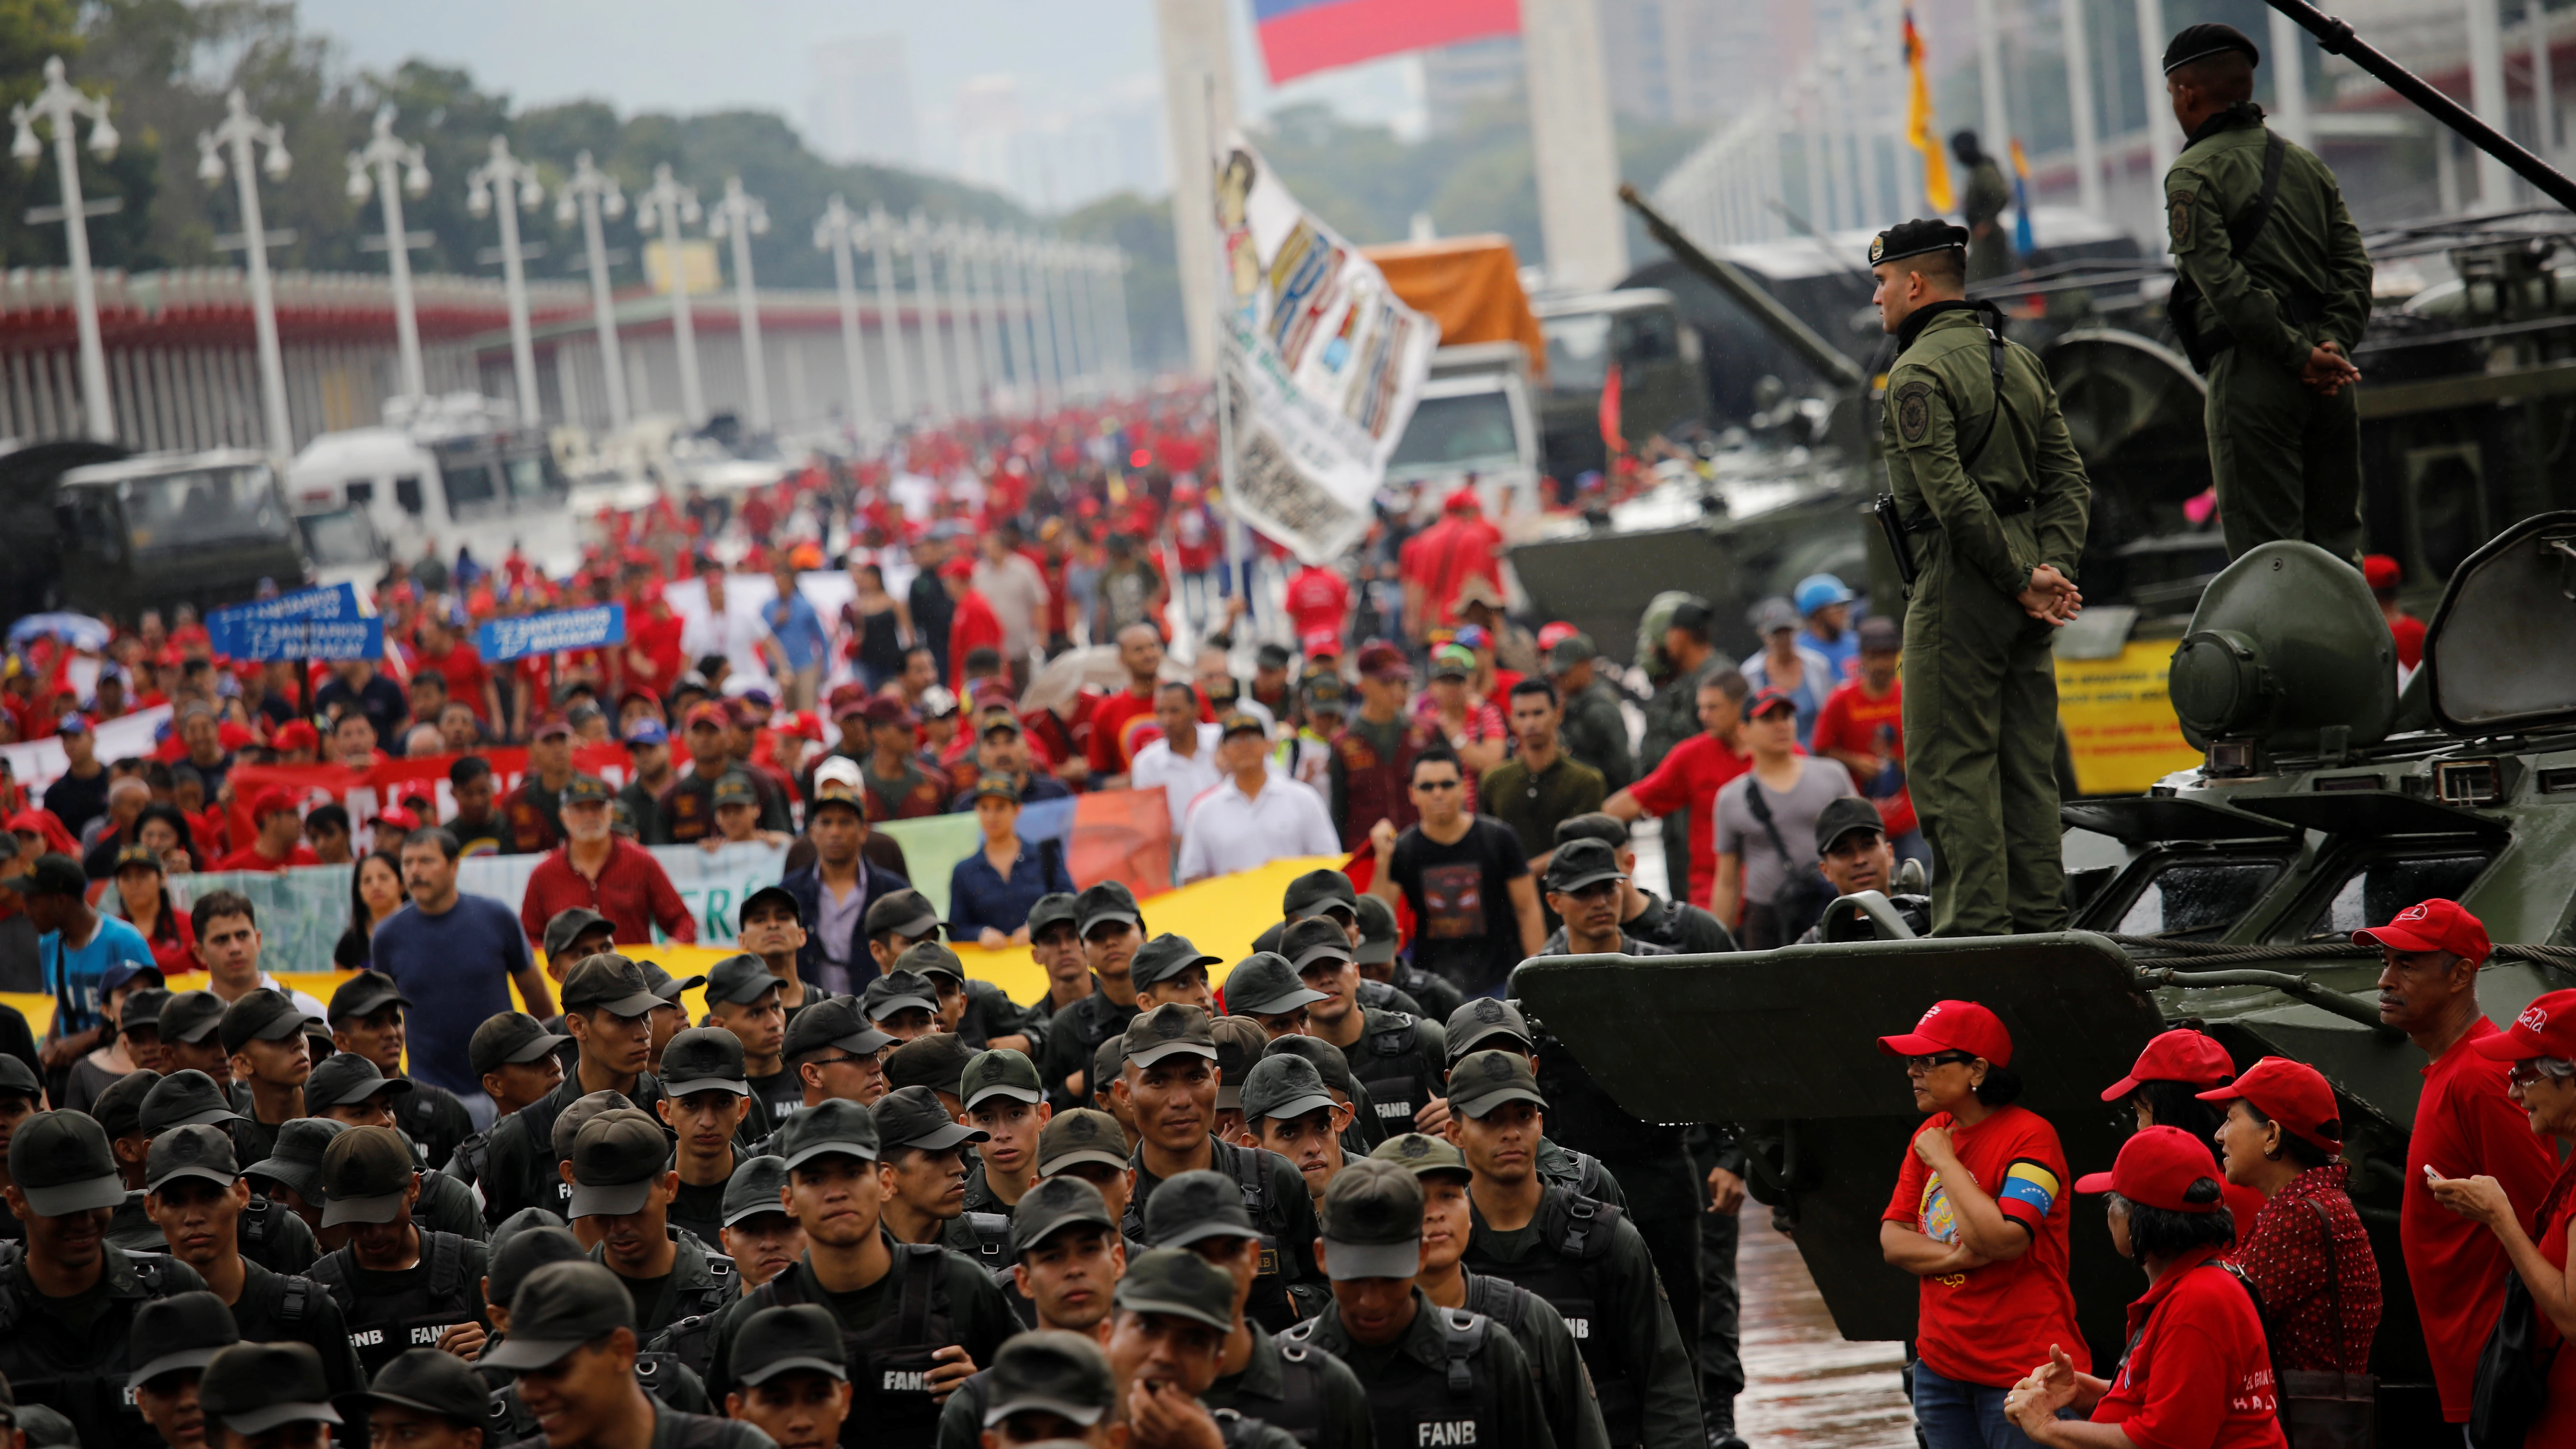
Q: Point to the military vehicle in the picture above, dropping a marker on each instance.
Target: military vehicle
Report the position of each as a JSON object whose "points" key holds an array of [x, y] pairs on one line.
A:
{"points": [[100, 531]]}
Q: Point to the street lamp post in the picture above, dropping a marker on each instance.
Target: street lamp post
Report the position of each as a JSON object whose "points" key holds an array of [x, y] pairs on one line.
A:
{"points": [[667, 204], [836, 233], [972, 376], [1051, 263], [988, 312], [1016, 324], [881, 237], [1079, 303], [1122, 350], [516, 181], [590, 195], [61, 105], [1033, 293], [236, 134], [934, 348], [373, 169], [741, 217]]}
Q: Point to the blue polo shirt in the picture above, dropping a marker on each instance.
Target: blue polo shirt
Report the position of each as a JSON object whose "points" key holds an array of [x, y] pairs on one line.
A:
{"points": [[797, 628], [456, 968], [978, 896], [72, 973]]}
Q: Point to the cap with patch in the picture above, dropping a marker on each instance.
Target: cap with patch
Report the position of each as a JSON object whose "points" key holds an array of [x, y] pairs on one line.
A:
{"points": [[801, 1338], [1483, 1018], [191, 1016], [1379, 935], [906, 913], [569, 925], [1084, 1134], [1841, 817], [580, 1112], [1905, 239], [1312, 943], [1167, 957], [1000, 1072], [1284, 1087], [346, 1079], [833, 1125], [256, 1387], [1057, 1203], [1171, 1029], [936, 1061], [735, 788], [1189, 1206], [1107, 901], [184, 1099], [295, 1159], [929, 958], [1264, 984], [61, 1162], [431, 1382], [834, 1023], [587, 790], [898, 991], [1055, 908], [262, 1014], [1317, 892], [741, 980], [770, 896], [365, 994], [704, 1059], [1482, 1081], [1570, 651], [119, 1106], [1580, 863], [201, 1152], [611, 983], [667, 986], [1050, 1372], [998, 786], [2200, 42], [1241, 722], [1239, 1040], [181, 1332], [55, 874], [1327, 1059], [615, 1163], [1180, 1282], [754, 1189], [560, 1307], [525, 1241], [1422, 1155], [1372, 1222], [509, 1037], [365, 1171], [912, 1117]]}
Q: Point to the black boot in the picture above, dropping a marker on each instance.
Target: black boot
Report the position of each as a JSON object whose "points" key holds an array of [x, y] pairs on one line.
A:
{"points": [[1717, 1410]]}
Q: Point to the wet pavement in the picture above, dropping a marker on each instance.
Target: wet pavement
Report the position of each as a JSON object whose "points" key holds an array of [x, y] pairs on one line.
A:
{"points": [[1805, 1384]]}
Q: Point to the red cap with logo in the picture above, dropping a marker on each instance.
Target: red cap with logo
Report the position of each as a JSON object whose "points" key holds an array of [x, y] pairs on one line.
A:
{"points": [[2296, 1095], [1320, 643], [1766, 700], [1954, 1026], [707, 712], [2156, 1167], [269, 802], [2434, 925], [2176, 1056], [2546, 1028]]}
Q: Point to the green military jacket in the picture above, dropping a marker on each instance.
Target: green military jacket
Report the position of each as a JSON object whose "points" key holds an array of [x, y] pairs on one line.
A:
{"points": [[2307, 257], [1596, 733], [1533, 804], [2018, 497], [1672, 716]]}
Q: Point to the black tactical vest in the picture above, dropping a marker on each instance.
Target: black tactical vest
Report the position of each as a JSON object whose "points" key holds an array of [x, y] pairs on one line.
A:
{"points": [[94, 1397], [1389, 1063], [1275, 1304], [381, 1328], [1299, 1409], [1458, 1408], [1574, 1232], [891, 1359]]}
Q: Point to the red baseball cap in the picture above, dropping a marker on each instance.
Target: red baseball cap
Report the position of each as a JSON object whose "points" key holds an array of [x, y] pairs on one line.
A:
{"points": [[2434, 925], [1319, 644], [1763, 700], [2546, 1028], [2379, 571], [706, 711], [2295, 1094], [553, 724], [804, 726], [1954, 1026], [1549, 633], [2156, 1167], [960, 567], [296, 735], [2176, 1056], [1384, 661], [268, 802], [397, 817]]}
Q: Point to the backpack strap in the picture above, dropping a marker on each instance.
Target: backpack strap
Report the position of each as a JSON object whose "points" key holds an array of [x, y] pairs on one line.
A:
{"points": [[294, 1295], [257, 1222], [446, 1264], [1462, 1337], [920, 1279], [147, 1267], [1253, 1176]]}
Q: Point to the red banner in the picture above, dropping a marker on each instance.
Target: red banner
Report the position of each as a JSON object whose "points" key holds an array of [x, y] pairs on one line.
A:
{"points": [[1125, 836], [365, 792]]}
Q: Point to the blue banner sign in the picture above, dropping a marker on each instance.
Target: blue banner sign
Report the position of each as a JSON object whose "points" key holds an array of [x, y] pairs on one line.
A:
{"points": [[505, 639], [307, 624]]}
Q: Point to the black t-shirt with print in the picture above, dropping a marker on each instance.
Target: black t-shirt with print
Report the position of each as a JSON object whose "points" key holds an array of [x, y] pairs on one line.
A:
{"points": [[1464, 927]]}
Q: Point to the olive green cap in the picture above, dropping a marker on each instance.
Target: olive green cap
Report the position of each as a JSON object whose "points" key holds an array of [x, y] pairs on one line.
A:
{"points": [[1000, 1072], [1084, 1134], [1422, 1154], [1482, 1081], [1180, 1282], [1372, 1222]]}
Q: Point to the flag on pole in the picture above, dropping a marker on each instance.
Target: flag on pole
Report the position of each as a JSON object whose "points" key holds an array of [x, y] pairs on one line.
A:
{"points": [[1612, 437], [2022, 244], [1299, 37], [1919, 129]]}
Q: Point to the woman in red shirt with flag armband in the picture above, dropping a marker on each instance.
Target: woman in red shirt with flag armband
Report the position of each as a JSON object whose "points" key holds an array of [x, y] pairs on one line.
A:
{"points": [[2198, 1374], [1979, 1215]]}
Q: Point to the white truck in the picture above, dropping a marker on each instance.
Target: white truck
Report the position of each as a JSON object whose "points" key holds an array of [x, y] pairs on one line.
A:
{"points": [[454, 472], [1475, 418]]}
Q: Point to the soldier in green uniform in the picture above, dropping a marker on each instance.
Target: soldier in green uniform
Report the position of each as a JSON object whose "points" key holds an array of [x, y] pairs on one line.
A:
{"points": [[1994, 500], [1594, 730], [1672, 716], [1989, 254], [2273, 294]]}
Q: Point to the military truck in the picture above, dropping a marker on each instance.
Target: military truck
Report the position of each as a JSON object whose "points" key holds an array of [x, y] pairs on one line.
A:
{"points": [[97, 530]]}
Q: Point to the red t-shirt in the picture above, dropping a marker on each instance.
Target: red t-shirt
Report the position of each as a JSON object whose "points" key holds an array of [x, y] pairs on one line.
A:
{"points": [[2198, 1375], [1689, 778], [2409, 632], [1991, 1325], [2464, 1125], [1109, 726], [464, 671], [974, 626], [249, 858], [1852, 721], [1317, 600]]}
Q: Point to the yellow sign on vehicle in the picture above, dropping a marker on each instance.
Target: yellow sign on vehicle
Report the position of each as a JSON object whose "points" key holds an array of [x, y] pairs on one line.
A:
{"points": [[2119, 719]]}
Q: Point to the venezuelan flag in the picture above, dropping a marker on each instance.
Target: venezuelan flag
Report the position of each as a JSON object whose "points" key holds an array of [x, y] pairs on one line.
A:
{"points": [[2022, 243], [1300, 37], [1919, 129]]}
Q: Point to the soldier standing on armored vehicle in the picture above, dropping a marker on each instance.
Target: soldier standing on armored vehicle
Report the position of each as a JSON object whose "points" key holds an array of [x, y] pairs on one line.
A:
{"points": [[1993, 500], [2273, 292]]}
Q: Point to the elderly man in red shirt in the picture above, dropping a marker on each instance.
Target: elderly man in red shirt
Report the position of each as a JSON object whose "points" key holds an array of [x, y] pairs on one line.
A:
{"points": [[2465, 1126], [595, 869]]}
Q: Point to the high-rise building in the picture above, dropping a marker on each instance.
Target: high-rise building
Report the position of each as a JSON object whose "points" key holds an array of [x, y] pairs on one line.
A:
{"points": [[1669, 62], [862, 102]]}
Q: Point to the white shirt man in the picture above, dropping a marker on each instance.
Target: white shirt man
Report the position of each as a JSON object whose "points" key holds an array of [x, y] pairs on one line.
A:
{"points": [[1255, 815], [1180, 777]]}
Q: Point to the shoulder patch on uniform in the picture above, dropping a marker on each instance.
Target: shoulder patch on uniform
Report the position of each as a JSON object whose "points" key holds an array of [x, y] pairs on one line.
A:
{"points": [[1914, 410], [2179, 205]]}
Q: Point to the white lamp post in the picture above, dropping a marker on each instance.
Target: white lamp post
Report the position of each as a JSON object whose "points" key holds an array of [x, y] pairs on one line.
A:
{"points": [[881, 241], [1033, 293], [234, 137], [667, 204], [978, 250], [934, 348], [590, 195], [61, 106], [373, 169], [740, 217], [836, 233], [516, 181]]}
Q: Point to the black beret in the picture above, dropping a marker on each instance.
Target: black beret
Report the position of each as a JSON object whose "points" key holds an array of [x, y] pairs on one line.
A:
{"points": [[2199, 42], [1914, 238]]}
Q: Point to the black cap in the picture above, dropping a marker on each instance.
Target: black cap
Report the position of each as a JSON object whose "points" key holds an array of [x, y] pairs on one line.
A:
{"points": [[2199, 42], [1192, 1205], [190, 1016], [1052, 909], [999, 786], [531, 1245], [589, 788], [560, 1307], [1482, 1081], [432, 1382], [770, 895], [201, 1152], [1379, 936], [931, 959], [1264, 984], [1423, 1155], [61, 1161], [1178, 1281], [1692, 614], [704, 1059], [904, 912], [912, 1117], [804, 1338], [180, 1332], [1000, 1072], [1283, 1086], [615, 1162], [119, 1107], [365, 1172], [741, 980], [579, 1113], [1173, 1028], [345, 1079], [184, 1099], [1310, 943], [1485, 1017], [1327, 1059], [1082, 1134], [1842, 816], [1056, 1202], [262, 1014], [611, 983], [936, 1061], [1106, 1060], [1107, 901], [834, 1023], [55, 874], [1372, 1222], [1239, 1040], [296, 1157], [833, 1125], [667, 986], [256, 1387], [141, 1012], [733, 787], [510, 1037], [364, 995], [754, 1187], [1316, 892], [1165, 958], [1907, 239], [1051, 1372], [566, 926], [899, 991], [1580, 863]]}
